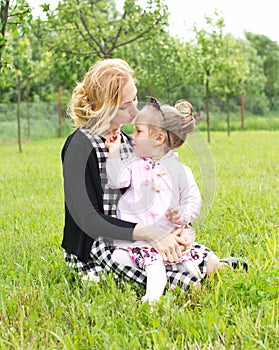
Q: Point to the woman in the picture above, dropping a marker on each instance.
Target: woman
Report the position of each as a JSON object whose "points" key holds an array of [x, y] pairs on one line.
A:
{"points": [[100, 104]]}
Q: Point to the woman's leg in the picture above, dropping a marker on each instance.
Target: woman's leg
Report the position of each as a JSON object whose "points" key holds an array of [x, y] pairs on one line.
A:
{"points": [[123, 257], [213, 264]]}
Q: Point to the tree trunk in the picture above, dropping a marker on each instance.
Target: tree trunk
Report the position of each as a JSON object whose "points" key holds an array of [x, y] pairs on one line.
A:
{"points": [[169, 97], [207, 105], [18, 115], [228, 114], [28, 112], [60, 111], [242, 111], [4, 9]]}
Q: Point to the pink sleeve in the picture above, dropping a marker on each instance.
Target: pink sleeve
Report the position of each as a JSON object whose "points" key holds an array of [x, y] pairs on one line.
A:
{"points": [[190, 198], [118, 173]]}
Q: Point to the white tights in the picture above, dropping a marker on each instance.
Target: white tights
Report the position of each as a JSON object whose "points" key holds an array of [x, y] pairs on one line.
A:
{"points": [[155, 273]]}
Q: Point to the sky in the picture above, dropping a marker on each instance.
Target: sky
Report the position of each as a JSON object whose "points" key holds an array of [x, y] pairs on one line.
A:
{"points": [[258, 17]]}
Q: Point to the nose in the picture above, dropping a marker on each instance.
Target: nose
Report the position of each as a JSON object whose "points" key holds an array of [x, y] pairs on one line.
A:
{"points": [[134, 110]]}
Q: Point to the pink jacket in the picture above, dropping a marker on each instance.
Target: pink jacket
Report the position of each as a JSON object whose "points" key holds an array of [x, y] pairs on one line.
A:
{"points": [[152, 188]]}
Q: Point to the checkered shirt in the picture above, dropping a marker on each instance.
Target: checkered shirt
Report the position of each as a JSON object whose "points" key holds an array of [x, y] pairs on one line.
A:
{"points": [[100, 259]]}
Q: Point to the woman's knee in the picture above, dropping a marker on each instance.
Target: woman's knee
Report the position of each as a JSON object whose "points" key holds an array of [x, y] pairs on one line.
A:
{"points": [[213, 264], [121, 256]]}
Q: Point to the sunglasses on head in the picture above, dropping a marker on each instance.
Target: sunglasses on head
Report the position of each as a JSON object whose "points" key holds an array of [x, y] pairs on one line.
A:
{"points": [[155, 103]]}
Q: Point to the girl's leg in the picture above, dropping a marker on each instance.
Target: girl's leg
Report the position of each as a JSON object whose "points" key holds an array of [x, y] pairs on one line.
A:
{"points": [[155, 273], [156, 281]]}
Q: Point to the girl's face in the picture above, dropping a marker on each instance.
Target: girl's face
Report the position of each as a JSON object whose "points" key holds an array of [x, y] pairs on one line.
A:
{"points": [[128, 107], [143, 142]]}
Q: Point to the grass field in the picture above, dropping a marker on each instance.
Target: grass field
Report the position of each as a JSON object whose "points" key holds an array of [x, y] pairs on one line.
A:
{"points": [[46, 306]]}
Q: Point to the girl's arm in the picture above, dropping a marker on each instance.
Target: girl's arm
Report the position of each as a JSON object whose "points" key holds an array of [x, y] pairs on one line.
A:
{"points": [[118, 171], [190, 200]]}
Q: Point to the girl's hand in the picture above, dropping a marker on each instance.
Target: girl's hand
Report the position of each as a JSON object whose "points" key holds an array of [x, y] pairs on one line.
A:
{"points": [[185, 237], [174, 217], [113, 143]]}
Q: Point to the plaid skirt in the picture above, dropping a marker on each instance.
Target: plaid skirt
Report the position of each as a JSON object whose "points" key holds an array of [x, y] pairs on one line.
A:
{"points": [[101, 261]]}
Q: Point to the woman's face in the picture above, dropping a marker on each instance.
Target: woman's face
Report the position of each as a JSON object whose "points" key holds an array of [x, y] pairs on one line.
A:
{"points": [[128, 107]]}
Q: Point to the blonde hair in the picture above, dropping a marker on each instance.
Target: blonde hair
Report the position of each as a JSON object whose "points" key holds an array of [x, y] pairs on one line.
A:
{"points": [[179, 121], [95, 100]]}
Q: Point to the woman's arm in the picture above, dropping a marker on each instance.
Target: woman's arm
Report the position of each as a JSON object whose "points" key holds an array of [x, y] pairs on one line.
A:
{"points": [[83, 192]]}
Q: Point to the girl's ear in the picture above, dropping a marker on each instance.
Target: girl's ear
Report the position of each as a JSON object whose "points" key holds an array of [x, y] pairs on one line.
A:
{"points": [[160, 138]]}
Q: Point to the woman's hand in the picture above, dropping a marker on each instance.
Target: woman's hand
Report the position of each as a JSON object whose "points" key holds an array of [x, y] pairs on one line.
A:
{"points": [[166, 244]]}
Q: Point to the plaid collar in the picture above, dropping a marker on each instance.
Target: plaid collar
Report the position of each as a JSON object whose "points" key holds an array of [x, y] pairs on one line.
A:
{"points": [[110, 196]]}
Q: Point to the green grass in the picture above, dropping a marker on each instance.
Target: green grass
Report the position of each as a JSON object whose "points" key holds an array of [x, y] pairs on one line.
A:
{"points": [[46, 306], [218, 122]]}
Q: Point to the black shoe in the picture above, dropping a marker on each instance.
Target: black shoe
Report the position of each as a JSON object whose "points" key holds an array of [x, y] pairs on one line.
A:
{"points": [[235, 263]]}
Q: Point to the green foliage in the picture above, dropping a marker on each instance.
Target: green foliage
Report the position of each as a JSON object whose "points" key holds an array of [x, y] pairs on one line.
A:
{"points": [[162, 67], [209, 46], [17, 22], [269, 52], [210, 56], [98, 29], [46, 306]]}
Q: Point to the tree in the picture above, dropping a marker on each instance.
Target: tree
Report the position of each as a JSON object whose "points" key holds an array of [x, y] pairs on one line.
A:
{"points": [[4, 11], [254, 84], [229, 79], [268, 50], [78, 32], [96, 28], [161, 66], [20, 55], [209, 50], [15, 16]]}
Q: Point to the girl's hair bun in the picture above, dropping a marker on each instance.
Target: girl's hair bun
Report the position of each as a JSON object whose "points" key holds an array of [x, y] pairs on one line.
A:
{"points": [[184, 107]]}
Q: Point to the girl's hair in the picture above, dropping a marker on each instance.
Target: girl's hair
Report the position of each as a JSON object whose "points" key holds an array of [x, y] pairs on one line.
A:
{"points": [[96, 99], [178, 121]]}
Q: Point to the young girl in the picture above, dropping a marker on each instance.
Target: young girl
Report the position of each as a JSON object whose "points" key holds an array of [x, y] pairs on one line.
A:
{"points": [[159, 189]]}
